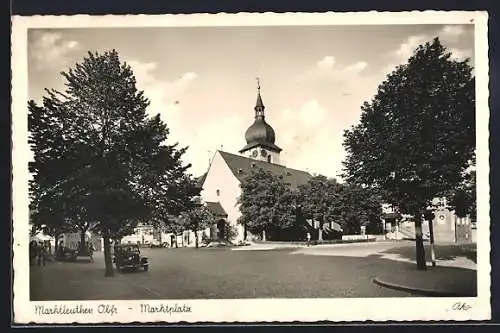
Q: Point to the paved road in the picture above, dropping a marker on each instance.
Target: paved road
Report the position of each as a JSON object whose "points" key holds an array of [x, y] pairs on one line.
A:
{"points": [[218, 273]]}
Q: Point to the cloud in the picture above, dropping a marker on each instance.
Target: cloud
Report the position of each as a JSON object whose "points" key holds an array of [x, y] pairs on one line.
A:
{"points": [[328, 68], [311, 138], [326, 63], [310, 114], [51, 50], [449, 35], [452, 32], [460, 54], [357, 67], [165, 96], [215, 134], [407, 48]]}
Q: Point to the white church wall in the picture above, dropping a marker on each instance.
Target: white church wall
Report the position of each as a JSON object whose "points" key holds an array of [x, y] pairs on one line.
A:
{"points": [[221, 185]]}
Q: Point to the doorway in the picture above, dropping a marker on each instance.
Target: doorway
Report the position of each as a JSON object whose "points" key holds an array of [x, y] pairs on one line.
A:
{"points": [[221, 229]]}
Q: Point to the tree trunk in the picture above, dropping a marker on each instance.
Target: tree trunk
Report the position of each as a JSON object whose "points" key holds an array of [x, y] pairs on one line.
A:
{"points": [[56, 238], [196, 236], [431, 236], [81, 250], [320, 230], [419, 243], [108, 261]]}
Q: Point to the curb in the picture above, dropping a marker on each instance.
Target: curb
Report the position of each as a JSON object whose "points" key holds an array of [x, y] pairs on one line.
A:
{"points": [[420, 291]]}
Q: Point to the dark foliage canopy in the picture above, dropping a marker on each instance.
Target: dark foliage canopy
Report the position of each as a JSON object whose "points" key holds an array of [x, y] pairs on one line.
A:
{"points": [[416, 137]]}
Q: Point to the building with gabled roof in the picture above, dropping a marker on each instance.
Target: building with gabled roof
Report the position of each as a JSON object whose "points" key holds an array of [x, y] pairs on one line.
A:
{"points": [[221, 183]]}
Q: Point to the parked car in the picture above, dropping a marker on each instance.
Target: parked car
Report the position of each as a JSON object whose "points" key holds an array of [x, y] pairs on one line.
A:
{"points": [[129, 256], [156, 245], [66, 254]]}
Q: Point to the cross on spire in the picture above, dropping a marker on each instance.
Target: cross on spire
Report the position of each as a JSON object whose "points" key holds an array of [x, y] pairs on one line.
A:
{"points": [[259, 106]]}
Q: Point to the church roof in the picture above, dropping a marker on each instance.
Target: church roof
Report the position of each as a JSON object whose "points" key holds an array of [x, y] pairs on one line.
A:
{"points": [[201, 179], [216, 208], [241, 166]]}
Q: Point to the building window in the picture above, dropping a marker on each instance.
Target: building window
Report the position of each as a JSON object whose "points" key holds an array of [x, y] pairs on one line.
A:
{"points": [[217, 192], [269, 158]]}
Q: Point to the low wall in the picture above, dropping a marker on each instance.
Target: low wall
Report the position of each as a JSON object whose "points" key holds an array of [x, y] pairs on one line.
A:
{"points": [[362, 237]]}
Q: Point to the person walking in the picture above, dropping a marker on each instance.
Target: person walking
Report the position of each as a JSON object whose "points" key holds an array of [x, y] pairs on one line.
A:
{"points": [[33, 254], [90, 249], [308, 236], [41, 254]]}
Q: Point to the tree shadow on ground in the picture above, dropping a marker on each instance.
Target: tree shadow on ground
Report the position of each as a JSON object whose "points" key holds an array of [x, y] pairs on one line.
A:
{"points": [[443, 252]]}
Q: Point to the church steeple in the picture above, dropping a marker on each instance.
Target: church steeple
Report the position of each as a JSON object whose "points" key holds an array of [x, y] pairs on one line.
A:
{"points": [[260, 136], [259, 106]]}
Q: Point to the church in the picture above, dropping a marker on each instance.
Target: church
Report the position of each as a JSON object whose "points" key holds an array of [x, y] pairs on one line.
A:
{"points": [[220, 185]]}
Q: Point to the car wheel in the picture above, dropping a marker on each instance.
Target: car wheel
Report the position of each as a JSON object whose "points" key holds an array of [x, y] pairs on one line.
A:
{"points": [[146, 267]]}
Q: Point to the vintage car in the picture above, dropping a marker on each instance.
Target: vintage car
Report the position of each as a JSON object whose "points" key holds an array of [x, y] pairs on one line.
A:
{"points": [[129, 256], [66, 254]]}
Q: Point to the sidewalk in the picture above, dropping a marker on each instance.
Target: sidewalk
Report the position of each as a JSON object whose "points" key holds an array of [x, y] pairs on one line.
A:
{"points": [[435, 281], [268, 246]]}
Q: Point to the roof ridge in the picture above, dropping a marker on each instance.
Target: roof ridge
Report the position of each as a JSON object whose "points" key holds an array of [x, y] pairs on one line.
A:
{"points": [[263, 162]]}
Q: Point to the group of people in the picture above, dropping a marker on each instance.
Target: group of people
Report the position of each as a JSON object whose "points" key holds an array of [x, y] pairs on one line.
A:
{"points": [[39, 252]]}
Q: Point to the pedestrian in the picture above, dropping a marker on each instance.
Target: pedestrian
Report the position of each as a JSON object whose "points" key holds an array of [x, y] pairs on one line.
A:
{"points": [[41, 254], [90, 249], [60, 250], [33, 254], [308, 236]]}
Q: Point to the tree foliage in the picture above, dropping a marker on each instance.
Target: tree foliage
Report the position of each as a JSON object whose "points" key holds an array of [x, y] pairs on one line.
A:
{"points": [[463, 199], [351, 206], [359, 207], [417, 135], [266, 202], [320, 201], [95, 145]]}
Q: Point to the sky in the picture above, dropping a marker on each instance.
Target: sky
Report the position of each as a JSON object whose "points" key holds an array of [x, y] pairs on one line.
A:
{"points": [[202, 80]]}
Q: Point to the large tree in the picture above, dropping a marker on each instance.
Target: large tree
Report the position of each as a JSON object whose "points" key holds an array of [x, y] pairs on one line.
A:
{"points": [[96, 144], [320, 201], [266, 203], [417, 135]]}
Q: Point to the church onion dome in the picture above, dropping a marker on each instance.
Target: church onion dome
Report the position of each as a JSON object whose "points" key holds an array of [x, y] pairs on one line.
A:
{"points": [[260, 132]]}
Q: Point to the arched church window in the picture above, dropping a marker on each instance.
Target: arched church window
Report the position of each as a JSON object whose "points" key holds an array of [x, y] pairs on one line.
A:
{"points": [[269, 158], [217, 192]]}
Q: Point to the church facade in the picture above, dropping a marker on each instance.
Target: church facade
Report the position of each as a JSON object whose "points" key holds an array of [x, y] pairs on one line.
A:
{"points": [[221, 183]]}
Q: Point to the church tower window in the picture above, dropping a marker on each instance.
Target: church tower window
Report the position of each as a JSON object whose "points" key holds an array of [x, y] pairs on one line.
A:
{"points": [[217, 192]]}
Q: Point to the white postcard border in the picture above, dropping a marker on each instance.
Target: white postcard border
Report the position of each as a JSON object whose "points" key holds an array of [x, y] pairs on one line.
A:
{"points": [[247, 310]]}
